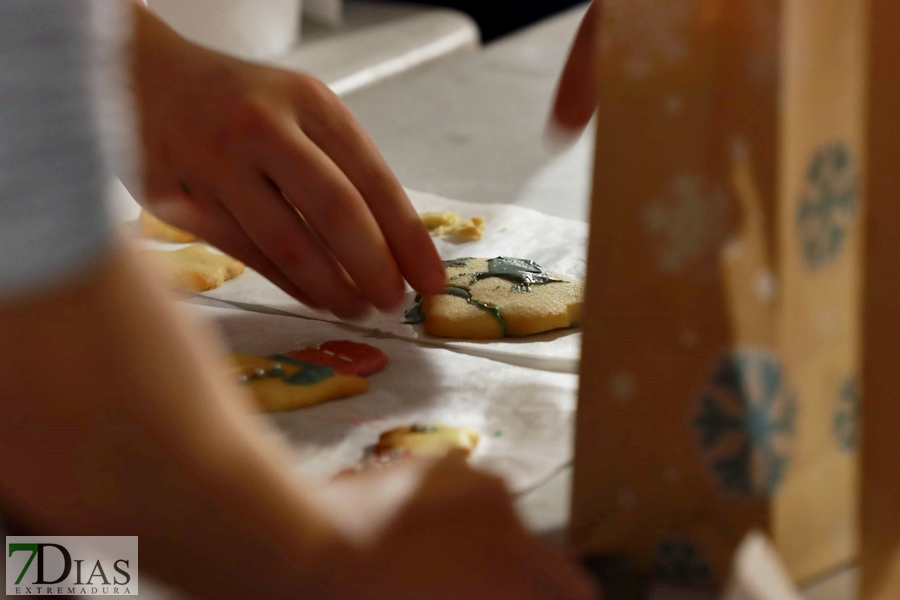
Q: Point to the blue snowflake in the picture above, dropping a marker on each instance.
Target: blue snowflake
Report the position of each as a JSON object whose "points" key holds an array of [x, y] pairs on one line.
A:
{"points": [[846, 416], [678, 562], [746, 422], [828, 203]]}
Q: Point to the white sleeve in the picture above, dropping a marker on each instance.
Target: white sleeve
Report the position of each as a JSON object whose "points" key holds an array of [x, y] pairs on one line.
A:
{"points": [[54, 171]]}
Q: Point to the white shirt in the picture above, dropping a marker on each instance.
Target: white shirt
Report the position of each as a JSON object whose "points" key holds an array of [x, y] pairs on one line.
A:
{"points": [[59, 64]]}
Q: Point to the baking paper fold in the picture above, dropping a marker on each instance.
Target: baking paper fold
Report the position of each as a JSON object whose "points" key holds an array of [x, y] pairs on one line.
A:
{"points": [[555, 243], [524, 416]]}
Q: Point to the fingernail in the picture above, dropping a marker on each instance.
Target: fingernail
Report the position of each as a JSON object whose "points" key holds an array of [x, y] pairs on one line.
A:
{"points": [[558, 138]]}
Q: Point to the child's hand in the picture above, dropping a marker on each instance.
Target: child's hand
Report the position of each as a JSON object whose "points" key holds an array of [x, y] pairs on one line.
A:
{"points": [[439, 531], [576, 93], [270, 166]]}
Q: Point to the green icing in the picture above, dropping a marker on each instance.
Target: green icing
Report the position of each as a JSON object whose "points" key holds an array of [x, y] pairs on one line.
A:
{"points": [[522, 272], [308, 374], [288, 360], [423, 428], [467, 296], [456, 262], [458, 292], [413, 315]]}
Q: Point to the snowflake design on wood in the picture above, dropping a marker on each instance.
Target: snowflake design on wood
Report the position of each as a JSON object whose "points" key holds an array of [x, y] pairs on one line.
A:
{"points": [[648, 33], [746, 422], [846, 416], [687, 220], [828, 203], [678, 562]]}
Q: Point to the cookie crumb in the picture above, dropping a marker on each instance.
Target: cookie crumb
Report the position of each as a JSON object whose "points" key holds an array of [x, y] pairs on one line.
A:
{"points": [[450, 224]]}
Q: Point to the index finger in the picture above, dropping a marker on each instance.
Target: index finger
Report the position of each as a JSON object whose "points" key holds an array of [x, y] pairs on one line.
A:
{"points": [[331, 126]]}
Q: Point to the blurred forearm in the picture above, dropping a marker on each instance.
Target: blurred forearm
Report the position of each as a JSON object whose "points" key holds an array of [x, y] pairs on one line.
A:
{"points": [[113, 421]]}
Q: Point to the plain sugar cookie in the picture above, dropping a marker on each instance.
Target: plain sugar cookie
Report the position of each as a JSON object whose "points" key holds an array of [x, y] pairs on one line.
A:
{"points": [[497, 297], [195, 268], [427, 440], [447, 223]]}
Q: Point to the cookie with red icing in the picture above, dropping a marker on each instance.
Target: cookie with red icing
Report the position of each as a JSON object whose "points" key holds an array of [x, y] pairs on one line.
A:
{"points": [[345, 357], [280, 383], [419, 440], [374, 461], [309, 376]]}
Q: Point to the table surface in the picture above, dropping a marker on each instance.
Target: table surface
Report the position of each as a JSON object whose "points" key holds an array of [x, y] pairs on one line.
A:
{"points": [[377, 41], [471, 128]]}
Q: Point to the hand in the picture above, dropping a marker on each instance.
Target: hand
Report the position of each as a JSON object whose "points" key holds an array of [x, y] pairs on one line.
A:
{"points": [[442, 532], [270, 166], [576, 92]]}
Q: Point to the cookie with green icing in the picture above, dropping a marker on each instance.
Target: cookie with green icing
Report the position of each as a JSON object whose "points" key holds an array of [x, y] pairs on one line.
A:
{"points": [[280, 382], [498, 297]]}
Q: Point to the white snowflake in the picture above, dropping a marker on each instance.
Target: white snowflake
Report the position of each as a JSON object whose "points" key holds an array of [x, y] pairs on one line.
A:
{"points": [[687, 221], [650, 33]]}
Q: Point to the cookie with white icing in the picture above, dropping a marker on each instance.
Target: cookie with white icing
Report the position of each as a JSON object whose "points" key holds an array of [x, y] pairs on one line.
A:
{"points": [[498, 297]]}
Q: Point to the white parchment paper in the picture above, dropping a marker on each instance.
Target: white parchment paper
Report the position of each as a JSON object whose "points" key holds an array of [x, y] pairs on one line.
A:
{"points": [[555, 243], [525, 416]]}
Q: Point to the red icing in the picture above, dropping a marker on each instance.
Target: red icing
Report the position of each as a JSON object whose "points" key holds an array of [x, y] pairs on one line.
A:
{"points": [[376, 461], [366, 359], [321, 358], [345, 357]]}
